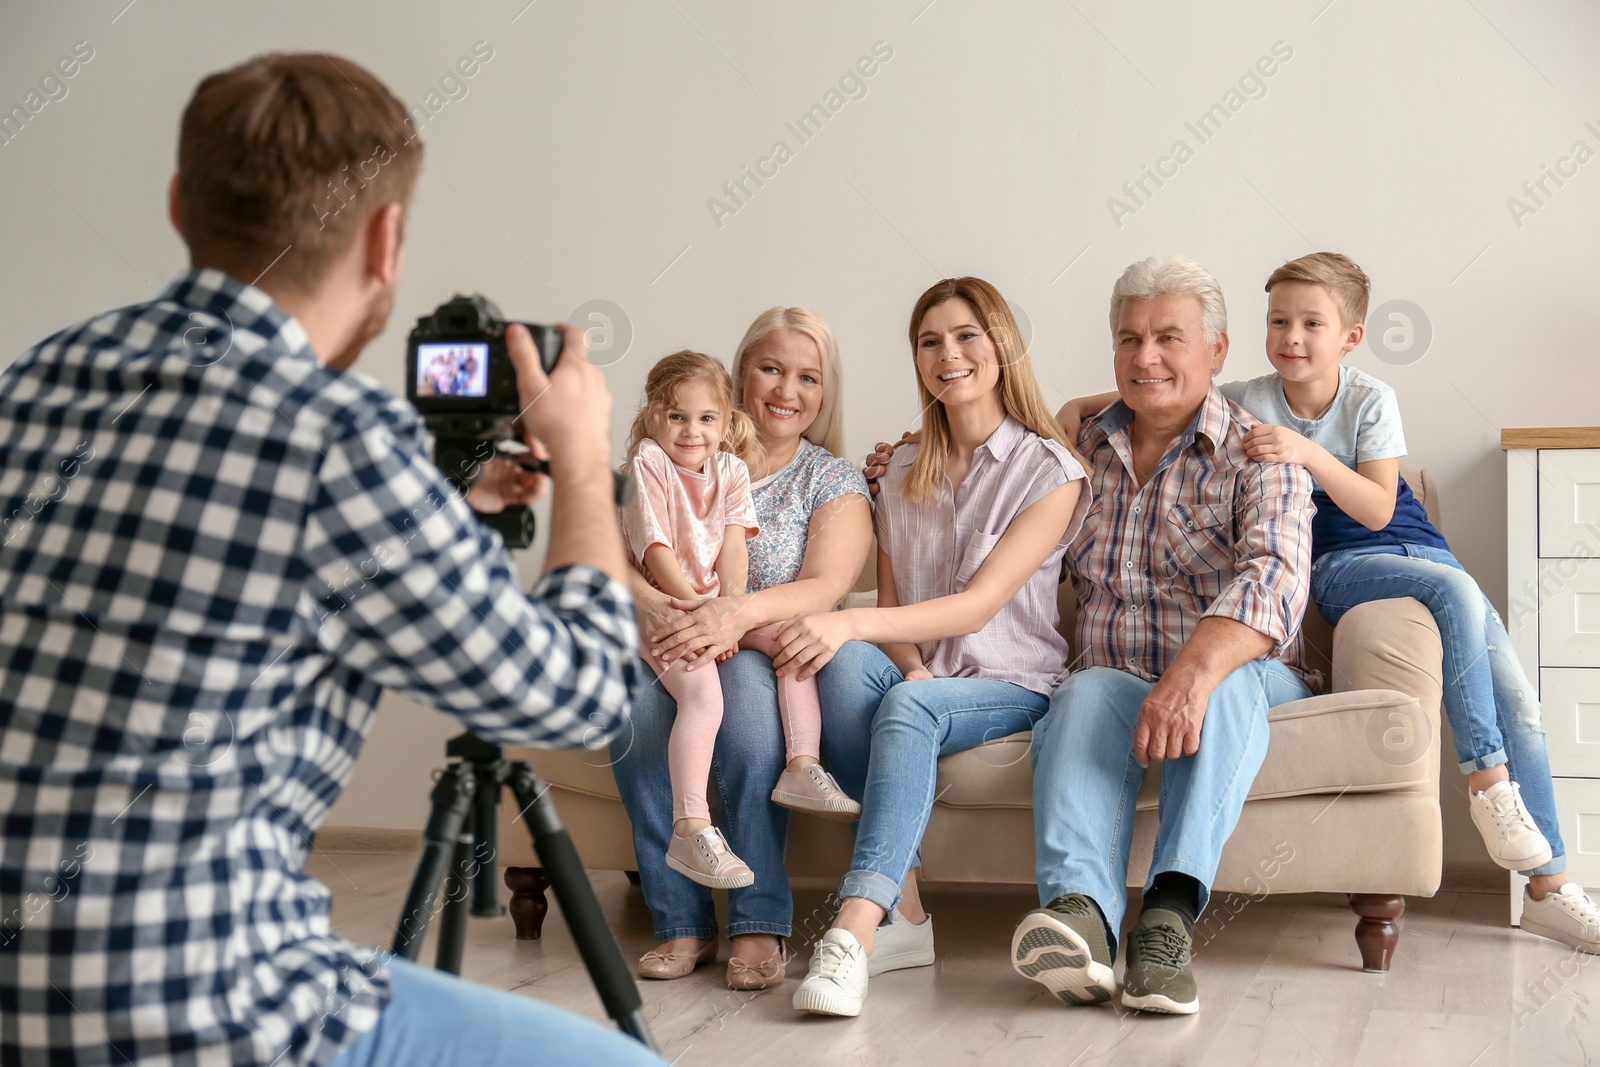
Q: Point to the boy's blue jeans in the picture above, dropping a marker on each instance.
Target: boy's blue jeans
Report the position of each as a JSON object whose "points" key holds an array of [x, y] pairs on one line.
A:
{"points": [[1493, 711], [1086, 782]]}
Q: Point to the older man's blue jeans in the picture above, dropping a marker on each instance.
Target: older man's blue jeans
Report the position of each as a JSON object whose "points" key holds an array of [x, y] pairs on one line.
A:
{"points": [[1493, 710], [1086, 782], [745, 766]]}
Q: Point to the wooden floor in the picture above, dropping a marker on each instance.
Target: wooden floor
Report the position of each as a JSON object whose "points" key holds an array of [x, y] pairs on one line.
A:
{"points": [[1279, 984]]}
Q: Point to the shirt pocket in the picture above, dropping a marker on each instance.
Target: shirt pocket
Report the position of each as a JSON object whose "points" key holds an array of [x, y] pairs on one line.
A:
{"points": [[978, 547], [1197, 539]]}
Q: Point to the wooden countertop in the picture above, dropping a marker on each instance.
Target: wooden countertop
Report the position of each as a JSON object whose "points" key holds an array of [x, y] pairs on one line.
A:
{"points": [[1552, 437]]}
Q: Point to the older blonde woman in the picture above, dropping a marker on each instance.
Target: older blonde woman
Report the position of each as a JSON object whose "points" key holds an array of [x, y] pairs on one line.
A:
{"points": [[816, 529]]}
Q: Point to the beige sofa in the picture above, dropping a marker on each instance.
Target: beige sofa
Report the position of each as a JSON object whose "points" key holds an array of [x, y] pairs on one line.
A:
{"points": [[1347, 800]]}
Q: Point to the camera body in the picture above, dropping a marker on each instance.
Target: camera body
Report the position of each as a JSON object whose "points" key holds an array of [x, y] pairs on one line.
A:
{"points": [[460, 378]]}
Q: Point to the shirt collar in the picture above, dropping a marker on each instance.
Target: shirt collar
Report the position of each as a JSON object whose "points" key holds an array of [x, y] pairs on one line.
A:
{"points": [[1004, 439], [1211, 421], [242, 306]]}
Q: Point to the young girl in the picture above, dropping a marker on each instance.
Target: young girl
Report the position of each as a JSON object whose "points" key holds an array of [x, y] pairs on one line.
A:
{"points": [[686, 530]]}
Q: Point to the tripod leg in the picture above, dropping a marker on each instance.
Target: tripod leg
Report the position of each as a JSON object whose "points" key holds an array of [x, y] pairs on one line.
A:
{"points": [[613, 978], [453, 922], [528, 903], [451, 798]]}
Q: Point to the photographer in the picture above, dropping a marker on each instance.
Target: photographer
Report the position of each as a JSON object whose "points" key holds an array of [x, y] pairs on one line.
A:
{"points": [[219, 547]]}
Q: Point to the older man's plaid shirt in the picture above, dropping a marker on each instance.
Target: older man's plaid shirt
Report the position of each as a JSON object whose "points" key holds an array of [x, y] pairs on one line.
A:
{"points": [[1212, 533], [216, 553]]}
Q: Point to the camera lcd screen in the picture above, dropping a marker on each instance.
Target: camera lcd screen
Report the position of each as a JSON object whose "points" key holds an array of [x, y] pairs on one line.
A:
{"points": [[453, 368]]}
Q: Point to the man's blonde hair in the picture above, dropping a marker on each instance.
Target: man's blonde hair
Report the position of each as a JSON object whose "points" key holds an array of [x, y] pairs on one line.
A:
{"points": [[1338, 274]]}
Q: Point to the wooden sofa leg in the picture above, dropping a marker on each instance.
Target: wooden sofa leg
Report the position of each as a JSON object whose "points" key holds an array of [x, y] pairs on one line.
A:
{"points": [[1376, 933], [528, 904]]}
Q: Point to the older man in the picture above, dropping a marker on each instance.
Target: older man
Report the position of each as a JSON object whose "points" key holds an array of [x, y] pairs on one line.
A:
{"points": [[1192, 573]]}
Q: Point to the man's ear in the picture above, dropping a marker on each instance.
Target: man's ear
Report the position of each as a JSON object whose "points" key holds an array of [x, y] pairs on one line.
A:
{"points": [[1221, 353], [172, 206], [381, 238]]}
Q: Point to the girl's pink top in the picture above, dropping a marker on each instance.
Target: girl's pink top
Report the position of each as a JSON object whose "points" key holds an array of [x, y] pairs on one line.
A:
{"points": [[687, 511]]}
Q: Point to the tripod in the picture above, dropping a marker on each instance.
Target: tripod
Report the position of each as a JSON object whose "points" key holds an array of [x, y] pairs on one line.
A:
{"points": [[472, 782]]}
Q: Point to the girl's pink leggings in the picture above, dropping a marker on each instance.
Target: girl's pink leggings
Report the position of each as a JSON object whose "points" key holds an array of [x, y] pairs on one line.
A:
{"points": [[694, 733]]}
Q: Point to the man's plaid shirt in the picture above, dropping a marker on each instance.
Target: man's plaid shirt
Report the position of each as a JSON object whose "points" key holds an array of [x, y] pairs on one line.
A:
{"points": [[216, 554], [1211, 533]]}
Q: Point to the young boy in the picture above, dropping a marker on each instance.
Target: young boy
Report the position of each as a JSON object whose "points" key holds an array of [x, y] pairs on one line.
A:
{"points": [[1371, 540]]}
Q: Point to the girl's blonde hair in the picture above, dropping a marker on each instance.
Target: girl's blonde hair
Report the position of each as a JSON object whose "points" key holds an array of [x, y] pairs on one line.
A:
{"points": [[661, 392], [1019, 389], [827, 429]]}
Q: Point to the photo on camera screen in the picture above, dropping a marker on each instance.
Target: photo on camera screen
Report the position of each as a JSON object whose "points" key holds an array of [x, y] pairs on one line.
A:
{"points": [[453, 368]]}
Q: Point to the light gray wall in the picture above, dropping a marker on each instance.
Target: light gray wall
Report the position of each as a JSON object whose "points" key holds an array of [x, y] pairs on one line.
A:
{"points": [[580, 164]]}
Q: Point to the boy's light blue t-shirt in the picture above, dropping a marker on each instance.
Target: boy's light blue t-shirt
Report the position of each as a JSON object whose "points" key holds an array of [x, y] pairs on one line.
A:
{"points": [[1362, 424]]}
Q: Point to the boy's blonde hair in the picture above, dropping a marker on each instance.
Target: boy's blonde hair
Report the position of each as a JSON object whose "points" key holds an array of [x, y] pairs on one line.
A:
{"points": [[1345, 282], [828, 428], [661, 392], [1019, 389]]}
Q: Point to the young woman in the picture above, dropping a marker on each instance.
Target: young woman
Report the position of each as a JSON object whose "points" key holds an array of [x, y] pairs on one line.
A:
{"points": [[972, 521]]}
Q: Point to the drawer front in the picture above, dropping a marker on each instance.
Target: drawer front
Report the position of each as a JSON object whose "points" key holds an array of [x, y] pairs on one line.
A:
{"points": [[1569, 613], [1570, 699], [1569, 502], [1578, 811]]}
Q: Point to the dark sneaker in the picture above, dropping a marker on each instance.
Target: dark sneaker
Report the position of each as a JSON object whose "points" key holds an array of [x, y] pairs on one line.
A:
{"points": [[1159, 977], [1063, 947]]}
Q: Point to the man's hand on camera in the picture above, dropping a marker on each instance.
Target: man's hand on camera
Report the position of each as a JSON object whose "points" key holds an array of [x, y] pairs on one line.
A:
{"points": [[569, 409], [504, 483]]}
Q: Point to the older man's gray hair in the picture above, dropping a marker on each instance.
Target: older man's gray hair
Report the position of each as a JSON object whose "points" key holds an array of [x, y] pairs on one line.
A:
{"points": [[1159, 275]]}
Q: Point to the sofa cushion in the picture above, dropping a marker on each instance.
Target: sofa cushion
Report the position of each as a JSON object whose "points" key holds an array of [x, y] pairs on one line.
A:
{"points": [[1367, 740]]}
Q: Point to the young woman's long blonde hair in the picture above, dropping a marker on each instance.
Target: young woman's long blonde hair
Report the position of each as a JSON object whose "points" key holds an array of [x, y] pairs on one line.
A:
{"points": [[1019, 389], [661, 392], [828, 428]]}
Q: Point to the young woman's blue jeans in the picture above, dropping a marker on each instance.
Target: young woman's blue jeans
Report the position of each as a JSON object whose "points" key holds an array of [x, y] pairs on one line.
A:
{"points": [[1493, 711], [915, 723], [435, 1019], [1086, 782], [745, 765]]}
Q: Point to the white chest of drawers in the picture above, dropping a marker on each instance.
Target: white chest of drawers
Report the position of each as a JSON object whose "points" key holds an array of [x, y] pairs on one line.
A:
{"points": [[1553, 617]]}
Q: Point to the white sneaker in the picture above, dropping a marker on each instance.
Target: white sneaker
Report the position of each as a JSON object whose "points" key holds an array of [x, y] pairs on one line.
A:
{"points": [[1568, 916], [1514, 842], [705, 857], [901, 944], [837, 981]]}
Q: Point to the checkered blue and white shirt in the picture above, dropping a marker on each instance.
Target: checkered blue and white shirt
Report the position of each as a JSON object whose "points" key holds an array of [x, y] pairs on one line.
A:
{"points": [[215, 552]]}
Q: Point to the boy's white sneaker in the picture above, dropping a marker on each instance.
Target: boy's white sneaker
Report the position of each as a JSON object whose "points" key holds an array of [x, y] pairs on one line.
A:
{"points": [[1514, 842], [901, 944], [837, 981], [1568, 916]]}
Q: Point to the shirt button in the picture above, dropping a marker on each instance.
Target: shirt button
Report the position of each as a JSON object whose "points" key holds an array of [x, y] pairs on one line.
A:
{"points": [[1190, 524], [1130, 564], [1134, 608], [1136, 511]]}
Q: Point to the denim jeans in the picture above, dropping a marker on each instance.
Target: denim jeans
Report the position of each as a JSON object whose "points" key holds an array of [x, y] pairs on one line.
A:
{"points": [[1493, 711], [916, 723], [745, 765], [436, 1018], [1086, 782]]}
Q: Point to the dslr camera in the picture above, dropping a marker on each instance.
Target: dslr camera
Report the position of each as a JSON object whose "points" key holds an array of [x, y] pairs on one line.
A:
{"points": [[460, 378]]}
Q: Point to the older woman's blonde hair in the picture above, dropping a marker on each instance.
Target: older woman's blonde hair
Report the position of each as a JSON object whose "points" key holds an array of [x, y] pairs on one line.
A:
{"points": [[827, 429], [1018, 387]]}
